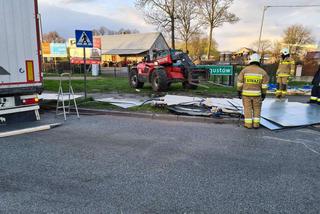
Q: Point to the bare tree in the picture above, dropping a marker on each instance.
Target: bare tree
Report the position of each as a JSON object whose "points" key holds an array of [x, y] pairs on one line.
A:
{"points": [[187, 22], [53, 37], [296, 36], [214, 13], [265, 46], [275, 50], [104, 31], [96, 32], [199, 46], [127, 31], [161, 13]]}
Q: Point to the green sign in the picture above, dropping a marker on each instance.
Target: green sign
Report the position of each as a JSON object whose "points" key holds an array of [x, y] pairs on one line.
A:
{"points": [[221, 70]]}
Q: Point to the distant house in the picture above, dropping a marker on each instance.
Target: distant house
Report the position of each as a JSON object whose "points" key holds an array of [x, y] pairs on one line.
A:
{"points": [[241, 56], [311, 63], [130, 48], [244, 52]]}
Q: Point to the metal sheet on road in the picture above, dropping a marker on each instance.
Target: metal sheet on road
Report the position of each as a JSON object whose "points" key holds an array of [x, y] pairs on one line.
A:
{"points": [[270, 125], [291, 114]]}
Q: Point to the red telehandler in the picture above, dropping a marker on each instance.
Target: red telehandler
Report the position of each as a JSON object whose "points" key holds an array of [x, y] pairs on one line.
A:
{"points": [[166, 67]]}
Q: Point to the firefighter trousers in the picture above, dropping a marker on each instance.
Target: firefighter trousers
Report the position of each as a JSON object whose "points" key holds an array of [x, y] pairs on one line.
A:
{"points": [[252, 111], [315, 95], [282, 83]]}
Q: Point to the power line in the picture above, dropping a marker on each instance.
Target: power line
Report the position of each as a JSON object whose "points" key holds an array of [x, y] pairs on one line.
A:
{"points": [[312, 5], [278, 6]]}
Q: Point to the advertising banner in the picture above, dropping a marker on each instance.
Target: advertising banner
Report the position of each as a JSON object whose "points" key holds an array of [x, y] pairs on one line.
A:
{"points": [[54, 50]]}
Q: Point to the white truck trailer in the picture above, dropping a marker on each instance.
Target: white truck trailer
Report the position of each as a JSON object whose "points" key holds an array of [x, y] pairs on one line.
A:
{"points": [[20, 58]]}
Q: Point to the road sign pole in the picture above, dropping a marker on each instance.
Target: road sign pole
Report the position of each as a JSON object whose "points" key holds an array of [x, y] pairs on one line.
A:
{"points": [[84, 39], [85, 73]]}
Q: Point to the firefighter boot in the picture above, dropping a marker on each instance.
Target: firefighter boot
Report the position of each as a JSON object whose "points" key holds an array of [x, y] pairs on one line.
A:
{"points": [[247, 106], [278, 91], [257, 103], [284, 91], [314, 98]]}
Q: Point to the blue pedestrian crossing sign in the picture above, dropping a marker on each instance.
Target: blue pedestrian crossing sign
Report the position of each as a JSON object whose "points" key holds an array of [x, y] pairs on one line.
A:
{"points": [[84, 39]]}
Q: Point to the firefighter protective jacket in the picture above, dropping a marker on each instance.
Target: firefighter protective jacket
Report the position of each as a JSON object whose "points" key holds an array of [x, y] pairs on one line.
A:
{"points": [[286, 68], [316, 78], [253, 81]]}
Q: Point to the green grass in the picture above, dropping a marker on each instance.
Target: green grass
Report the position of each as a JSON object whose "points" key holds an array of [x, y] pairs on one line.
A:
{"points": [[121, 85]]}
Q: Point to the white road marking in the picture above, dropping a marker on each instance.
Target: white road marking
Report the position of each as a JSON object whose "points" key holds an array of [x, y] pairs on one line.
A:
{"points": [[298, 141]]}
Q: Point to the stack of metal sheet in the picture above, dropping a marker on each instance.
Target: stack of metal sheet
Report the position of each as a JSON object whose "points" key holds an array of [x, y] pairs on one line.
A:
{"points": [[276, 114], [290, 114]]}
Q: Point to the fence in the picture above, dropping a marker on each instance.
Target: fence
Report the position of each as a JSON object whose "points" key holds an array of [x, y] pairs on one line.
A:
{"points": [[231, 80], [61, 67]]}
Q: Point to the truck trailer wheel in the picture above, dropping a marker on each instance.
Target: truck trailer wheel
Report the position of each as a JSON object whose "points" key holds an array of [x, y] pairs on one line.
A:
{"points": [[134, 80], [159, 80]]}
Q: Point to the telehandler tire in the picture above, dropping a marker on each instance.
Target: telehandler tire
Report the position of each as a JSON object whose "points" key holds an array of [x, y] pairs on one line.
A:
{"points": [[159, 80], [134, 80]]}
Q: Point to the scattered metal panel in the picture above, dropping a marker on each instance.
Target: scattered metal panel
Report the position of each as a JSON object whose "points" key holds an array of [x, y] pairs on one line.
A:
{"points": [[219, 102], [122, 103], [177, 100], [191, 110], [237, 102], [291, 114]]}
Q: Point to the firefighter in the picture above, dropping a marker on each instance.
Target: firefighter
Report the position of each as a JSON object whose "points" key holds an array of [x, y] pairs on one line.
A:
{"points": [[315, 93], [285, 70], [252, 87]]}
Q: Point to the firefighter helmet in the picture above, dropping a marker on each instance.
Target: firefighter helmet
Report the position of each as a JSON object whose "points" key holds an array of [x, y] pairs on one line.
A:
{"points": [[285, 51], [254, 58]]}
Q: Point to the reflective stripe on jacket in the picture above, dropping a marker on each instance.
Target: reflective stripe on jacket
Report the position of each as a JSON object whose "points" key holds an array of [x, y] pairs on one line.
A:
{"points": [[253, 81], [286, 68]]}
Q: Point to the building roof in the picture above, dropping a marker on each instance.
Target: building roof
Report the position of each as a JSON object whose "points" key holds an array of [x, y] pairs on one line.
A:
{"points": [[244, 50], [128, 43], [124, 51]]}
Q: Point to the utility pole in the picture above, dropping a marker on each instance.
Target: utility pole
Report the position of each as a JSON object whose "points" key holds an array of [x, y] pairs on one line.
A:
{"points": [[261, 27], [277, 6], [85, 73]]}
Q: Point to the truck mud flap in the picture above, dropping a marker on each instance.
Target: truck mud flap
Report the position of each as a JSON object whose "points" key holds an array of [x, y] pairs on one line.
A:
{"points": [[21, 117]]}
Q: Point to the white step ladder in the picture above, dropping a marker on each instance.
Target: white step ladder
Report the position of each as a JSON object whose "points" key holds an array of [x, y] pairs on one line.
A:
{"points": [[61, 98]]}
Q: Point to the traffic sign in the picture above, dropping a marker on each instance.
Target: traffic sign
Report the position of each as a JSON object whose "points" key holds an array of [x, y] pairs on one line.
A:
{"points": [[221, 70], [84, 39]]}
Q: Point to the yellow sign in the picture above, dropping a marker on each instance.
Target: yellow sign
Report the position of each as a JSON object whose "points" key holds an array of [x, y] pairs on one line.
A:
{"points": [[253, 79], [75, 52]]}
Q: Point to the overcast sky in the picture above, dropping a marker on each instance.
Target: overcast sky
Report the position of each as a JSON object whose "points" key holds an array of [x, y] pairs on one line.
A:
{"points": [[65, 16]]}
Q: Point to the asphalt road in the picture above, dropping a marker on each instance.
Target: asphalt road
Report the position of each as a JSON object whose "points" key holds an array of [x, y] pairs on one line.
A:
{"points": [[106, 164]]}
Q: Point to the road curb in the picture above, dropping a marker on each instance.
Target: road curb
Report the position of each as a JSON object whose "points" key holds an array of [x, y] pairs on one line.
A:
{"points": [[154, 116]]}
